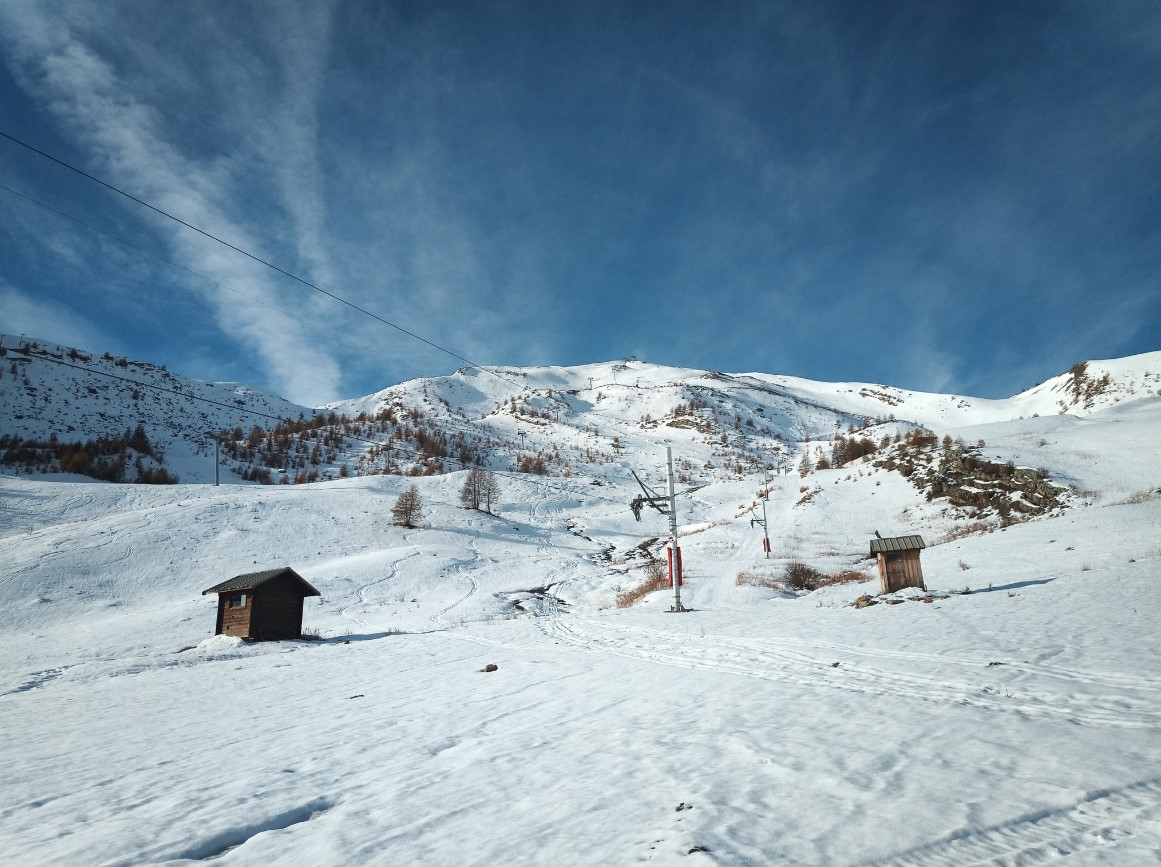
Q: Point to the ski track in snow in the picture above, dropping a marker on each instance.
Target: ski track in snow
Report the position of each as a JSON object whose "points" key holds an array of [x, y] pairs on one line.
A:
{"points": [[66, 546], [104, 668], [549, 552], [361, 592], [766, 661], [1027, 743], [1110, 679], [1099, 819], [440, 618], [52, 517]]}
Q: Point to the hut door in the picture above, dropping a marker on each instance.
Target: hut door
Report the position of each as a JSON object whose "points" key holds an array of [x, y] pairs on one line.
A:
{"points": [[896, 574]]}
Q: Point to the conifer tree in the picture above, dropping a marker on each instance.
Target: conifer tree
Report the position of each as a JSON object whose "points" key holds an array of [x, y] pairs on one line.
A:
{"points": [[407, 508], [480, 489], [805, 465]]}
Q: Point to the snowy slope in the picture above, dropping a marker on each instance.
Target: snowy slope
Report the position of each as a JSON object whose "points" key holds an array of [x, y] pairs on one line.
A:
{"points": [[589, 420], [1077, 393], [757, 413], [47, 389], [1013, 724], [1095, 385]]}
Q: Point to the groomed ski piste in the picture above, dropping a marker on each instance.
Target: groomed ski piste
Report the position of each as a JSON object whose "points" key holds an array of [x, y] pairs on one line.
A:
{"points": [[1011, 715]]}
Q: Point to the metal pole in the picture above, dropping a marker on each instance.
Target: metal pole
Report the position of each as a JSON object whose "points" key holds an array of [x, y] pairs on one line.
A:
{"points": [[673, 530], [217, 460], [766, 528], [765, 497]]}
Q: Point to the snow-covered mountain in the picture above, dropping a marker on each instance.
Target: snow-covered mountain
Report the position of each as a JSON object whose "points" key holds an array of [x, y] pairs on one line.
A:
{"points": [[1010, 714], [48, 390], [591, 420]]}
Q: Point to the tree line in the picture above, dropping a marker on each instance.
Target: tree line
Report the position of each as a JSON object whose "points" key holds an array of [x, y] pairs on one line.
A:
{"points": [[480, 490], [107, 459]]}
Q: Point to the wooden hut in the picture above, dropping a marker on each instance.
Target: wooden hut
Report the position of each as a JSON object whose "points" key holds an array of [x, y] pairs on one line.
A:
{"points": [[898, 562], [262, 606]]}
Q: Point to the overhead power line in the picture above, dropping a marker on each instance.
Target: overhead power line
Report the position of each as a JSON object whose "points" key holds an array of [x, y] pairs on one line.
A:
{"points": [[182, 394], [233, 407], [190, 271], [260, 260], [451, 419], [251, 256]]}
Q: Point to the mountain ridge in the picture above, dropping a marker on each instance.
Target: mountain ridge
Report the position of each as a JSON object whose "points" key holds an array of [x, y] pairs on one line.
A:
{"points": [[560, 420]]}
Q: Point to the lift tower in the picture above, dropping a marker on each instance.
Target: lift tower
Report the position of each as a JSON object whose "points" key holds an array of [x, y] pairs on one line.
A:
{"points": [[666, 505]]}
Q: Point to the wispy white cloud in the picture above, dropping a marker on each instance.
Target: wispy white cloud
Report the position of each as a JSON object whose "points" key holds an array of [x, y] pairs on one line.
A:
{"points": [[39, 318], [288, 135], [241, 152], [57, 57], [737, 192]]}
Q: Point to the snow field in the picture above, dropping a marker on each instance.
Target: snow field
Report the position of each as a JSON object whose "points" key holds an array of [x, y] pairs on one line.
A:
{"points": [[1014, 724]]}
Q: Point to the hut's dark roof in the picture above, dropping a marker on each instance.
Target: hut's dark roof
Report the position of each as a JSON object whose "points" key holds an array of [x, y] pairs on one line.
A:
{"points": [[897, 543], [255, 579]]}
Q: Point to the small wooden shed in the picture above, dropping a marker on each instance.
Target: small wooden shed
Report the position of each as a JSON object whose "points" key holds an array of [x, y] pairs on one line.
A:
{"points": [[262, 606], [898, 562]]}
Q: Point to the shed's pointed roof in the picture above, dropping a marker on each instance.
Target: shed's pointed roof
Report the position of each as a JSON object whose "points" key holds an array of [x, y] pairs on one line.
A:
{"points": [[255, 579]]}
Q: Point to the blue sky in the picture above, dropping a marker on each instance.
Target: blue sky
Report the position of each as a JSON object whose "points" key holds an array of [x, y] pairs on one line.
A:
{"points": [[952, 196]]}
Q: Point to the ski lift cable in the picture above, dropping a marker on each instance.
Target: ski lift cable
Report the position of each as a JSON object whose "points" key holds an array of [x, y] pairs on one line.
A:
{"points": [[450, 419], [284, 419], [256, 258], [522, 386], [177, 393], [218, 283], [309, 324], [255, 413], [149, 385]]}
